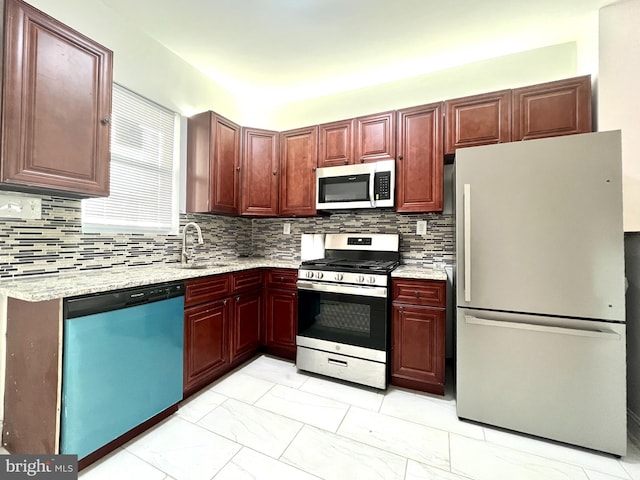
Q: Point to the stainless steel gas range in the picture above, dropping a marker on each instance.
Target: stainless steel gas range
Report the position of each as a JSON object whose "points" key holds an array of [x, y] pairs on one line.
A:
{"points": [[344, 308]]}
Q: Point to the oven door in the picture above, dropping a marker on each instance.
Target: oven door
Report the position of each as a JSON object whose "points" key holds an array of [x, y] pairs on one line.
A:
{"points": [[347, 314]]}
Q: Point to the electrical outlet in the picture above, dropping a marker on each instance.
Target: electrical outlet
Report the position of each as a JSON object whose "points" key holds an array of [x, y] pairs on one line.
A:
{"points": [[286, 229], [421, 227]]}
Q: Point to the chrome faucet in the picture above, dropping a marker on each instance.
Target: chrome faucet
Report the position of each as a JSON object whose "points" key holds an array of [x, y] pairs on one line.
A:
{"points": [[185, 257]]}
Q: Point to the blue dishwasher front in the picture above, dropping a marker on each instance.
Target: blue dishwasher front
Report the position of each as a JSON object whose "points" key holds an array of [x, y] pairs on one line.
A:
{"points": [[121, 366]]}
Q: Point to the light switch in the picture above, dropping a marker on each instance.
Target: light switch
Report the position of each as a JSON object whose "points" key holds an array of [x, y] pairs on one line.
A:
{"points": [[421, 227], [286, 229]]}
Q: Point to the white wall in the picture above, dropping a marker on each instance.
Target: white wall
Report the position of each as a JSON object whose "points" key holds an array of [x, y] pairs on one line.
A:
{"points": [[140, 63], [525, 68], [619, 97]]}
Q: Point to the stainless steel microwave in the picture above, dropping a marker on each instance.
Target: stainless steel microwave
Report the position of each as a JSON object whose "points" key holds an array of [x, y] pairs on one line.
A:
{"points": [[364, 185]]}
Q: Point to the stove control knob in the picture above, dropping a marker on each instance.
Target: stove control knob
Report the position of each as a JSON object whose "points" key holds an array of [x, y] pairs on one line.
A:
{"points": [[338, 276], [360, 278], [371, 279], [319, 275], [309, 274]]}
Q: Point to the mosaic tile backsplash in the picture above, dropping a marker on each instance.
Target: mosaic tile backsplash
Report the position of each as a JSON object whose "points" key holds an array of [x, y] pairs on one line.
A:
{"points": [[56, 242]]}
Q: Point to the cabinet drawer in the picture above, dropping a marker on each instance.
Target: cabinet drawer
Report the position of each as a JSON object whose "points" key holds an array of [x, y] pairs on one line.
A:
{"points": [[282, 278], [420, 292], [248, 280], [206, 289]]}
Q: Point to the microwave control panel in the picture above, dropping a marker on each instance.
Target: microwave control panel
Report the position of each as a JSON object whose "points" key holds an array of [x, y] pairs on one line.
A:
{"points": [[382, 186]]}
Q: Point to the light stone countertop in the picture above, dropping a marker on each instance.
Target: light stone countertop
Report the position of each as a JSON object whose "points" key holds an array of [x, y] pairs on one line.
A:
{"points": [[54, 286], [419, 272]]}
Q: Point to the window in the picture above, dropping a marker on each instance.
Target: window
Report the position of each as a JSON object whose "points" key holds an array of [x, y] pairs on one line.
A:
{"points": [[144, 170]]}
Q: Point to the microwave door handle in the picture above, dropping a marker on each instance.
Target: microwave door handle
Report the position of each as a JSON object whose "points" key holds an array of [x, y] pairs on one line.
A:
{"points": [[372, 180]]}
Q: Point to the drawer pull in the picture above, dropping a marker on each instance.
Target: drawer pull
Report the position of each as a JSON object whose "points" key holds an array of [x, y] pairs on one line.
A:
{"points": [[339, 363], [417, 294]]}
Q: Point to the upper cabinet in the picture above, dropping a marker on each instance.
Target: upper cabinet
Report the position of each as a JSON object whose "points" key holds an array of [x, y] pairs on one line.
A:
{"points": [[298, 163], [551, 109], [375, 137], [420, 163], [56, 106], [213, 164], [477, 120], [336, 143], [260, 172]]}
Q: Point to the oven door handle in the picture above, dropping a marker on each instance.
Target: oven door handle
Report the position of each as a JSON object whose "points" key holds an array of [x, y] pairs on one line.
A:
{"points": [[380, 292]]}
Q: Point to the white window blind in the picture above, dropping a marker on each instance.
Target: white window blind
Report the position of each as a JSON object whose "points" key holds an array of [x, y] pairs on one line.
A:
{"points": [[144, 170]]}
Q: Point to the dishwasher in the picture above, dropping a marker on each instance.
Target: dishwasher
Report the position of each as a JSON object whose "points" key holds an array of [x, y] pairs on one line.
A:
{"points": [[122, 363]]}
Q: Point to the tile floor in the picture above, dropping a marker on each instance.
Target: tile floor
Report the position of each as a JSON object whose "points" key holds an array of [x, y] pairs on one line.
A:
{"points": [[266, 420]]}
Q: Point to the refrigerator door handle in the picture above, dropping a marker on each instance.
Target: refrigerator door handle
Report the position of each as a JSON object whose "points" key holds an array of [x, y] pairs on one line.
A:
{"points": [[467, 241], [576, 332]]}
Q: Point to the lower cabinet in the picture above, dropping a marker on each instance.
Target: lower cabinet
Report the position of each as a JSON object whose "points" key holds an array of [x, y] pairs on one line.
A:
{"points": [[222, 320], [418, 329], [281, 313]]}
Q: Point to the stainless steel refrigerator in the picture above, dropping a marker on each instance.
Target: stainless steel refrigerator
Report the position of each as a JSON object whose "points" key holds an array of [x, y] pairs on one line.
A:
{"points": [[540, 318]]}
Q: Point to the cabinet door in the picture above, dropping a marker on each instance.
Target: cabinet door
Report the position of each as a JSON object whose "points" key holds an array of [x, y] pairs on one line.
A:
{"points": [[206, 342], [57, 106], [260, 163], [418, 348], [281, 322], [551, 109], [225, 166], [420, 164], [298, 162], [336, 144], [375, 137], [245, 335], [477, 120]]}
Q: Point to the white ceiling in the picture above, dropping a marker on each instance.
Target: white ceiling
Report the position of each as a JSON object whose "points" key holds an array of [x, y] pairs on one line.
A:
{"points": [[294, 49]]}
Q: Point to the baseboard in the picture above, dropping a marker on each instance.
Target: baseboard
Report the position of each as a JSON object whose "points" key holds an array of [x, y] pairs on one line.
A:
{"points": [[633, 427]]}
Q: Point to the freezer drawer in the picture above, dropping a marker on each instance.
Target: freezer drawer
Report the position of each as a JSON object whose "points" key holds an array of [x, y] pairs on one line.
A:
{"points": [[556, 378]]}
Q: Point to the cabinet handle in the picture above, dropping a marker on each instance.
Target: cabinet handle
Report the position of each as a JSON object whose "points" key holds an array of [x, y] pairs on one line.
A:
{"points": [[346, 161], [313, 169], [281, 279], [237, 169], [275, 172], [237, 299], [293, 294], [400, 157], [225, 302], [417, 293], [361, 159], [105, 121], [401, 309]]}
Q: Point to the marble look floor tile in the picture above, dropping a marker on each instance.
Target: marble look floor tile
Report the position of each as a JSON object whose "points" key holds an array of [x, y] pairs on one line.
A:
{"points": [[183, 450], [589, 460], [248, 425], [199, 405], [250, 465], [331, 456], [420, 471], [275, 370], [418, 442], [123, 466], [593, 475], [242, 387], [305, 407], [481, 460], [427, 411], [363, 397]]}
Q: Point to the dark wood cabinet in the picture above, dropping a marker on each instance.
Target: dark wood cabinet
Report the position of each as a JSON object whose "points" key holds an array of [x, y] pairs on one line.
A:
{"points": [[56, 106], [298, 163], [245, 335], [336, 143], [375, 137], [551, 109], [213, 164], [420, 162], [477, 120], [418, 329], [222, 325], [206, 349], [260, 172], [281, 313]]}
